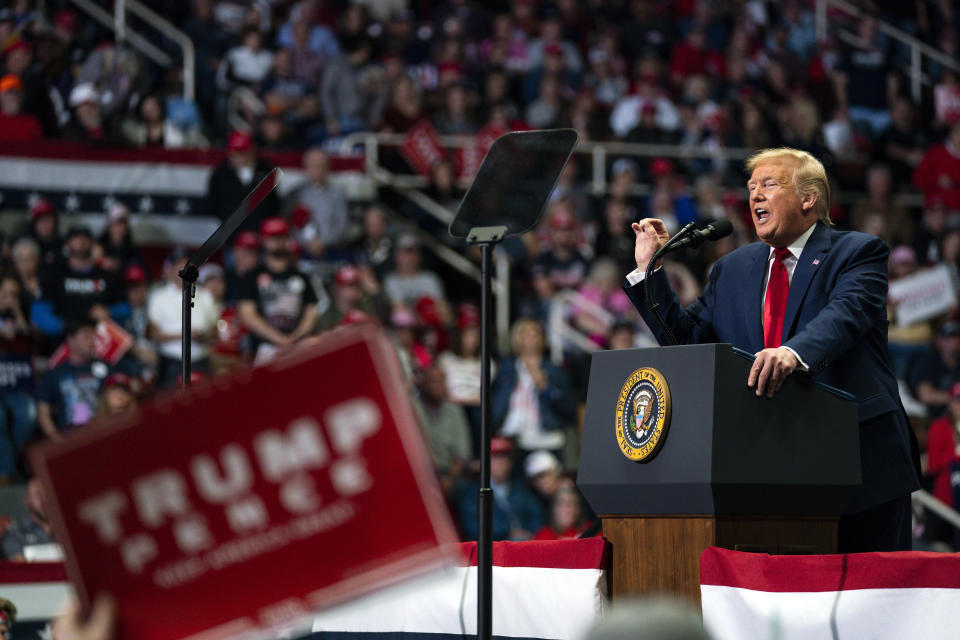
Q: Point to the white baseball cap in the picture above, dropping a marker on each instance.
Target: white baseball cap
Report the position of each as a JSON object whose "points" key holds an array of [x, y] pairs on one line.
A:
{"points": [[540, 461], [84, 92]]}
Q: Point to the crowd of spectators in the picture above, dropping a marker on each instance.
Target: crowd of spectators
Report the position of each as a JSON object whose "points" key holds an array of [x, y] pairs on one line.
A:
{"points": [[701, 75]]}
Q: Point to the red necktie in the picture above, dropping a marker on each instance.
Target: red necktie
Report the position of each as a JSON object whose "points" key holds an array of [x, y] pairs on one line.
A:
{"points": [[775, 304]]}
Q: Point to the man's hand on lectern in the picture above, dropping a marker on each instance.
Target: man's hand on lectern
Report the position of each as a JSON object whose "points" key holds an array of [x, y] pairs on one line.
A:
{"points": [[651, 235], [770, 368]]}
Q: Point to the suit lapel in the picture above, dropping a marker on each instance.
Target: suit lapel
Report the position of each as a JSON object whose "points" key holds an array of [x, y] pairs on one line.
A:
{"points": [[810, 259], [753, 300]]}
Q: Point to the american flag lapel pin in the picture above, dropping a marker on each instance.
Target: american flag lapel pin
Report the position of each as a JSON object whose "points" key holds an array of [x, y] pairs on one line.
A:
{"points": [[816, 261]]}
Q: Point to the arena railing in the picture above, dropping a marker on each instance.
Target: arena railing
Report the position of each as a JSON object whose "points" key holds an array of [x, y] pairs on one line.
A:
{"points": [[118, 23], [598, 154], [918, 49]]}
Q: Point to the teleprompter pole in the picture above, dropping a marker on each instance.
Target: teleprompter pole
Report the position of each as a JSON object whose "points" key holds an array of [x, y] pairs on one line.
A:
{"points": [[188, 280], [485, 496]]}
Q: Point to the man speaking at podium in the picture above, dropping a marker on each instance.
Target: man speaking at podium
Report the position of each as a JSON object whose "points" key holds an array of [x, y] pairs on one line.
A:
{"points": [[807, 298]]}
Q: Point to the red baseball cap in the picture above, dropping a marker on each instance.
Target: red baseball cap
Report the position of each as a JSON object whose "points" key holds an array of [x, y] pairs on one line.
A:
{"points": [[240, 141], [661, 167], [553, 49], [119, 380], [273, 227], [562, 220], [468, 316], [427, 310], [347, 275], [134, 274], [499, 444], [354, 316], [41, 207], [247, 240], [16, 44]]}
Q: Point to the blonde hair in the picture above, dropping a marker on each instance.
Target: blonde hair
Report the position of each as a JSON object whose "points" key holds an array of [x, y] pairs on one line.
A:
{"points": [[809, 176]]}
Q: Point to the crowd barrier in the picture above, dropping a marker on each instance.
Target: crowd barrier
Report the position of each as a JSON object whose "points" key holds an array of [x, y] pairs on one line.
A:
{"points": [[164, 189], [555, 590], [881, 596]]}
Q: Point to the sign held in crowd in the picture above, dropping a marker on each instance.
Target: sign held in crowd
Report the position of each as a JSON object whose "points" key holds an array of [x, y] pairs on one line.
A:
{"points": [[248, 504]]}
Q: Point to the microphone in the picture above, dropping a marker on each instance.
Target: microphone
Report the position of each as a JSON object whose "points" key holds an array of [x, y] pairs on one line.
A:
{"points": [[696, 237], [689, 236]]}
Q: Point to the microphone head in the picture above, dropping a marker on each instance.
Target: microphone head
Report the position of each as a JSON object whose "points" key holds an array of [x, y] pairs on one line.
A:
{"points": [[719, 229]]}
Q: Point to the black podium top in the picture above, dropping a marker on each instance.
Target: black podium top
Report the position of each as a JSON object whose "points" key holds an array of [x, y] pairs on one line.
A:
{"points": [[726, 451]]}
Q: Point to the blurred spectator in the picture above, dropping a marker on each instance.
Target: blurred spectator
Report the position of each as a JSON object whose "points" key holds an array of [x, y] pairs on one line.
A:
{"points": [[669, 199], [325, 205], [118, 396], [25, 255], [648, 95], [935, 373], [138, 323], [879, 202], [67, 395], [865, 83], [232, 180], [79, 288], [445, 427], [286, 94], [928, 235], [355, 289], [166, 323], [531, 398], [938, 174], [548, 107], [17, 410], [8, 617], [15, 125], [905, 342], [303, 31], [87, 124], [246, 64], [276, 302], [374, 247], [545, 475], [404, 108], [567, 519], [246, 258], [117, 74], [456, 116], [228, 346], [343, 94], [116, 241], [561, 265], [947, 99], [603, 289], [150, 127], [516, 512], [409, 281], [31, 530], [943, 461], [44, 231], [903, 143], [461, 364]]}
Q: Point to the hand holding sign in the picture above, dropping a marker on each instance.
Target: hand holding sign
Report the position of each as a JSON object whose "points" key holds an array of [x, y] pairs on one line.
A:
{"points": [[281, 480]]}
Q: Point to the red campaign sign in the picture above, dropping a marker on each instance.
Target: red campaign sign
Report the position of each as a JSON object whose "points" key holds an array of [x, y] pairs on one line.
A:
{"points": [[422, 148], [112, 343], [470, 158], [246, 504]]}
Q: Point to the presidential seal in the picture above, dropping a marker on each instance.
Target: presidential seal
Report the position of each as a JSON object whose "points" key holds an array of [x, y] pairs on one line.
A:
{"points": [[643, 414]]}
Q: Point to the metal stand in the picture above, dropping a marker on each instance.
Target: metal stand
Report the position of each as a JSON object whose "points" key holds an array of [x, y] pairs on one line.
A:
{"points": [[191, 270], [188, 276], [486, 238]]}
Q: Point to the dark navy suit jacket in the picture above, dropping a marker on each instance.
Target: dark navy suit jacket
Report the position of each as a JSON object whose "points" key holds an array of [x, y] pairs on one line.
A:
{"points": [[836, 320]]}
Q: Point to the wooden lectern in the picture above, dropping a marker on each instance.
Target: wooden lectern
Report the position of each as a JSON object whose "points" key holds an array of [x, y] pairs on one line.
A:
{"points": [[734, 470]]}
